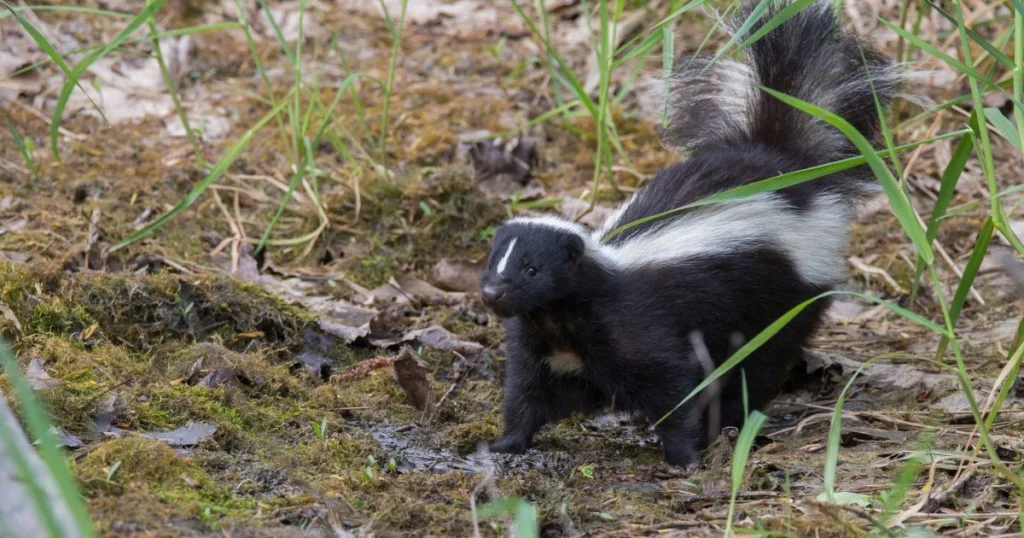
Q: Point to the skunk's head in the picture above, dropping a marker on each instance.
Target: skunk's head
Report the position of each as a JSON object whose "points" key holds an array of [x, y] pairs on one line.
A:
{"points": [[533, 263]]}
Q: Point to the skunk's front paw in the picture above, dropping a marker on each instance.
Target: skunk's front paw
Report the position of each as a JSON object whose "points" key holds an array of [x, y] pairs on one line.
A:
{"points": [[508, 445]]}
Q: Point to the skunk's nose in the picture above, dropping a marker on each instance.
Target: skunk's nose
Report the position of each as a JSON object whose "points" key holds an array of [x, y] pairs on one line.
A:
{"points": [[492, 293]]}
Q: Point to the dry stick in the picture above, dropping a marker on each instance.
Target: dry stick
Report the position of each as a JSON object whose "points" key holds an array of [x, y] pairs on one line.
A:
{"points": [[42, 117], [236, 241]]}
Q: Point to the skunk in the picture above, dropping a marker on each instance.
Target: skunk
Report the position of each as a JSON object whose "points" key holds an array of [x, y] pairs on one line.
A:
{"points": [[594, 322]]}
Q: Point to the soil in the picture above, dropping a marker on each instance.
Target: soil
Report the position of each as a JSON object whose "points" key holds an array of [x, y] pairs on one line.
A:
{"points": [[300, 427]]}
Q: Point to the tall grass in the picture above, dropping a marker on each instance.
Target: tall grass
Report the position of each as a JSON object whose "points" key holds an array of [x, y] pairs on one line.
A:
{"points": [[975, 141], [47, 508]]}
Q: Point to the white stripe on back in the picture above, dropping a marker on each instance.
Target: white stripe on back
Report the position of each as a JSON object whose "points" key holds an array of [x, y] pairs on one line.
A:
{"points": [[508, 254]]}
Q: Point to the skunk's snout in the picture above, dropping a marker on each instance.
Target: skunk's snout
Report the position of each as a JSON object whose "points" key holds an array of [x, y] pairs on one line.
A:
{"points": [[491, 293]]}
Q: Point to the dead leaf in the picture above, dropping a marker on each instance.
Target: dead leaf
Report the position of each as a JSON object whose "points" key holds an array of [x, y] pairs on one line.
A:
{"points": [[339, 318], [19, 258], [458, 275], [12, 224], [109, 410], [572, 208], [878, 374], [412, 375], [131, 87], [191, 434], [403, 289], [8, 314], [438, 337], [65, 439], [38, 378], [456, 18]]}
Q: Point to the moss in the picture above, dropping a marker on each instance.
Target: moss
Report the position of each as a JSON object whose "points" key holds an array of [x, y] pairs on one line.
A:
{"points": [[154, 479], [377, 397], [464, 437]]}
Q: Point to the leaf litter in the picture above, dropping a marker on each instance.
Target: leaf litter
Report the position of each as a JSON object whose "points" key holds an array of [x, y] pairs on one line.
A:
{"points": [[245, 405]]}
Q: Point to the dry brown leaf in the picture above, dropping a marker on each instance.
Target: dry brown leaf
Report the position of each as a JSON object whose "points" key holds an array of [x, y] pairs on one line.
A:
{"points": [[38, 378], [8, 314], [458, 275], [414, 378], [438, 337]]}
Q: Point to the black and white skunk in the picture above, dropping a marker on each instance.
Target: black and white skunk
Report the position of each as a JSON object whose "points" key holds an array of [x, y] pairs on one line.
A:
{"points": [[593, 323]]}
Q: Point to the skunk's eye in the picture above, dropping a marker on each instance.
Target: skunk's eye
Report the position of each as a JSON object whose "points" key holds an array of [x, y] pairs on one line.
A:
{"points": [[532, 271]]}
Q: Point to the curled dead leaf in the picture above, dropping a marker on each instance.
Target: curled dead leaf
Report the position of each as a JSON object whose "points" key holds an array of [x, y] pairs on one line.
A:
{"points": [[414, 378]]}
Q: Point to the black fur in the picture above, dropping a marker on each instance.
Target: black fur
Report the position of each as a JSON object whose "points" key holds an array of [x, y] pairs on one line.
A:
{"points": [[622, 332]]}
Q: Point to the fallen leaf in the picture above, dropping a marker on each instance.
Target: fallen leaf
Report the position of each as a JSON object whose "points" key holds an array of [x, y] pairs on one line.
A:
{"points": [[878, 374], [456, 18], [438, 337], [38, 378], [109, 410], [458, 275], [412, 375], [190, 434], [8, 314], [572, 208], [66, 439], [847, 498]]}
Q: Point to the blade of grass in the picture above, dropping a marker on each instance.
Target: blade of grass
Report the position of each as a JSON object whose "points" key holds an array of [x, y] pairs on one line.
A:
{"points": [[966, 387], [744, 443], [970, 272], [984, 146], [218, 170], [781, 17], [20, 455], [173, 91], [80, 67], [52, 53], [947, 187], [755, 343], [1005, 127], [776, 183], [288, 52], [40, 428], [396, 47], [898, 201], [19, 143], [752, 19], [989, 47]]}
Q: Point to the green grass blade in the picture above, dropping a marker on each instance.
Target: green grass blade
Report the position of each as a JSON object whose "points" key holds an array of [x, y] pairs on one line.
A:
{"points": [[1004, 126], [755, 15], [775, 183], [901, 207], [173, 91], [629, 50], [744, 443], [755, 343], [526, 520], [950, 177], [985, 44], [970, 272], [39, 498], [280, 36], [67, 9], [782, 16], [19, 143], [218, 170], [40, 428], [80, 67], [1015, 362]]}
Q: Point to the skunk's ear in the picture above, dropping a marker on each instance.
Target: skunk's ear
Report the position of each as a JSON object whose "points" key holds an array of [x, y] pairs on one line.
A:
{"points": [[574, 248]]}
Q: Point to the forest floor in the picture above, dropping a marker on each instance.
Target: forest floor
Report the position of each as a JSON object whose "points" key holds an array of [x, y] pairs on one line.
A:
{"points": [[203, 392]]}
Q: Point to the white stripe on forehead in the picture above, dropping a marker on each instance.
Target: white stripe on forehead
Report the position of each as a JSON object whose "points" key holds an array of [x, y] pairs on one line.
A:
{"points": [[508, 254]]}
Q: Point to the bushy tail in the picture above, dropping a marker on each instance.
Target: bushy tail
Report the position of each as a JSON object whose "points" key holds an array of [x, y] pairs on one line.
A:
{"points": [[809, 57]]}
